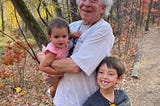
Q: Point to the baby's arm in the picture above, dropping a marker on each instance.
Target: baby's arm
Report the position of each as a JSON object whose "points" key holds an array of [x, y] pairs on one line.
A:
{"points": [[45, 64]]}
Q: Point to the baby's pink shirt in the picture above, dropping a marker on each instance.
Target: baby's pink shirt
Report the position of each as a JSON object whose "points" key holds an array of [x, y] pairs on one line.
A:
{"points": [[60, 53]]}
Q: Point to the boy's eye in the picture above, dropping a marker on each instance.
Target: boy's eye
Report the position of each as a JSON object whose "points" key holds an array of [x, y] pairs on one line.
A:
{"points": [[111, 74], [100, 72]]}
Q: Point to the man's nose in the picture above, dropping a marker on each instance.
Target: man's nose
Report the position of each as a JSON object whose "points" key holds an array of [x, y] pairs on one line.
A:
{"points": [[87, 2]]}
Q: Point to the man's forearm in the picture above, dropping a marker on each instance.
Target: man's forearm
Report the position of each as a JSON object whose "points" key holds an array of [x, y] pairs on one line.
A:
{"points": [[62, 65], [65, 65]]}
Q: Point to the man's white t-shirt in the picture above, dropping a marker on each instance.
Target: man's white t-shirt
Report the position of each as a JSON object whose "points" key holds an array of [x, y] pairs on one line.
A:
{"points": [[94, 43]]}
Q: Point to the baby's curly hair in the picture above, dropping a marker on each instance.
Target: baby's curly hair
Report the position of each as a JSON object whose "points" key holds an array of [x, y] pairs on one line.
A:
{"points": [[59, 23]]}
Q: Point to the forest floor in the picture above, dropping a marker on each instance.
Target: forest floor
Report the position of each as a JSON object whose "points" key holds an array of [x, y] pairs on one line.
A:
{"points": [[143, 91]]}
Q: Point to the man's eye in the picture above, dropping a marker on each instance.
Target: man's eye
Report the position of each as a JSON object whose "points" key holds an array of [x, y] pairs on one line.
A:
{"points": [[94, 1], [100, 71]]}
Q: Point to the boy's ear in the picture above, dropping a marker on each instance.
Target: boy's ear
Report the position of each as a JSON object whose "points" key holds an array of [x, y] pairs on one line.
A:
{"points": [[119, 79]]}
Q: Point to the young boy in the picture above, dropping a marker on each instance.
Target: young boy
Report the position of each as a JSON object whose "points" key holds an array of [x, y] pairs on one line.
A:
{"points": [[109, 72]]}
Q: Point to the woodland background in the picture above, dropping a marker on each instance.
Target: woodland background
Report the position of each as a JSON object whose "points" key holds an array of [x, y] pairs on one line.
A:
{"points": [[23, 26]]}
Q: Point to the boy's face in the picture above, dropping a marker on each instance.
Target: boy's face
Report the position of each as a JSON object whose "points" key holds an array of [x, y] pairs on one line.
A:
{"points": [[59, 37], [107, 78]]}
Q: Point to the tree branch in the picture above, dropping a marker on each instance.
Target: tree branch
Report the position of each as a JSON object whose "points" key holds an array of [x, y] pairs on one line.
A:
{"points": [[38, 10], [20, 45], [34, 55]]}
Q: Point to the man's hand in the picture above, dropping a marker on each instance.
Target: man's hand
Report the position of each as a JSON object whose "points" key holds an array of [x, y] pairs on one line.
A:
{"points": [[50, 79], [65, 65]]}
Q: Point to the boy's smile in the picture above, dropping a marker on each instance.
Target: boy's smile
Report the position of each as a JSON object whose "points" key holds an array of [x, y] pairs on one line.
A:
{"points": [[107, 78]]}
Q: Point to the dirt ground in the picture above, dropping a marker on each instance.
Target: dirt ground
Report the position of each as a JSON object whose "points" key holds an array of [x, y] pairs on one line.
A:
{"points": [[145, 91]]}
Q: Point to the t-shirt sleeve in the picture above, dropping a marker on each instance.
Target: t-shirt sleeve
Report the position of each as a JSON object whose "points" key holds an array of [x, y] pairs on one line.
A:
{"points": [[122, 98], [50, 48], [96, 99], [93, 50], [87, 103], [90, 101], [127, 101]]}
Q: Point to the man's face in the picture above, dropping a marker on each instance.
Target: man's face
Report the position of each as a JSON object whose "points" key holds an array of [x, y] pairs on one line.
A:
{"points": [[91, 10]]}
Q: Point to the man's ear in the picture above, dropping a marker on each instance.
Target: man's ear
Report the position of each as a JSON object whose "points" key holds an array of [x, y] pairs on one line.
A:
{"points": [[103, 9]]}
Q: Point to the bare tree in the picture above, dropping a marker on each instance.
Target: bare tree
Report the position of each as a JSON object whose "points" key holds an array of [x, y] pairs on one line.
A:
{"points": [[2, 17], [148, 16]]}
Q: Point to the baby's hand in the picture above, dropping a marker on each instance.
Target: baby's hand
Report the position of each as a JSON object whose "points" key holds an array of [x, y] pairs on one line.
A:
{"points": [[75, 34]]}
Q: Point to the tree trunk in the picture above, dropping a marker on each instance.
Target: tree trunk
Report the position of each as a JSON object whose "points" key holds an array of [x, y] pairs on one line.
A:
{"points": [[74, 9], [2, 15], [68, 13], [148, 16], [119, 25], [58, 9], [31, 23]]}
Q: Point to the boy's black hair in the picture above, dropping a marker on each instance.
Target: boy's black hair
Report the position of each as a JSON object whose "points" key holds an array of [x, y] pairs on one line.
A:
{"points": [[114, 63], [59, 23]]}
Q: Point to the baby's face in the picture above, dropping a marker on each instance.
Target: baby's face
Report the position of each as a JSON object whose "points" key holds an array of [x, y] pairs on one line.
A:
{"points": [[59, 37], [107, 78]]}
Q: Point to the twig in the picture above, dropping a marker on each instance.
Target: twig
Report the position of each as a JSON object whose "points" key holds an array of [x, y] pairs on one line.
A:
{"points": [[34, 55], [19, 45], [38, 10]]}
